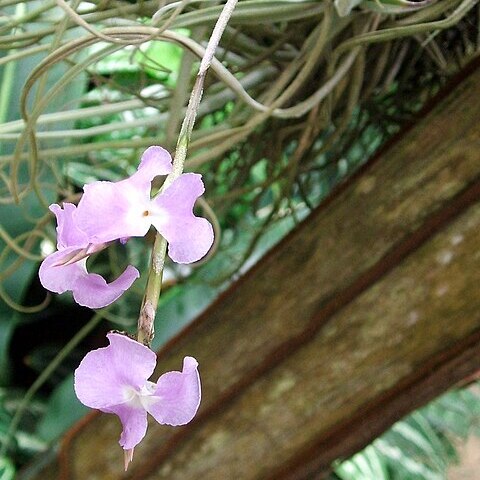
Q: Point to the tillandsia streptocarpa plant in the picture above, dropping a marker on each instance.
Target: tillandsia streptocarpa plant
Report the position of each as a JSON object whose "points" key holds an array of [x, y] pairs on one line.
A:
{"points": [[115, 379]]}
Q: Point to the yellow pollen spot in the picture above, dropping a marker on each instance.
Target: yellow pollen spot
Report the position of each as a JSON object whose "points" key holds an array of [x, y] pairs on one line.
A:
{"points": [[146, 213]]}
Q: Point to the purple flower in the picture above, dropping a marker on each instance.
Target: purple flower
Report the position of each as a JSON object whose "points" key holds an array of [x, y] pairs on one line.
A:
{"points": [[111, 211], [65, 269], [114, 379], [117, 210]]}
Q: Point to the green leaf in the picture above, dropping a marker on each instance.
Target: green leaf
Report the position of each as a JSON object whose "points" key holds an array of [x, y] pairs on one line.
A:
{"points": [[7, 326], [377, 463], [403, 465], [418, 420], [416, 445], [365, 465], [7, 469], [161, 60], [63, 410]]}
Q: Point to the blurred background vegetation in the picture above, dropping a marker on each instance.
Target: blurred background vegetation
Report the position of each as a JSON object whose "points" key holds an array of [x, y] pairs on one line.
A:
{"points": [[302, 93]]}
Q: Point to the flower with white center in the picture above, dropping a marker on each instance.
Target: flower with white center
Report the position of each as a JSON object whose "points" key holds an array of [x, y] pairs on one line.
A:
{"points": [[110, 211], [114, 210], [114, 379]]}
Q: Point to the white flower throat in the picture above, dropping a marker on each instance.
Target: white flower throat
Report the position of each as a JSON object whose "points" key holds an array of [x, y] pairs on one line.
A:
{"points": [[142, 398]]}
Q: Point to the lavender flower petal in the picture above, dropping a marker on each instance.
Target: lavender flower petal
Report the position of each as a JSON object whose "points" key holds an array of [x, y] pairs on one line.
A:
{"points": [[89, 289], [177, 395], [109, 376], [155, 161], [112, 210], [189, 237], [114, 379], [134, 423], [56, 277], [68, 233], [109, 211]]}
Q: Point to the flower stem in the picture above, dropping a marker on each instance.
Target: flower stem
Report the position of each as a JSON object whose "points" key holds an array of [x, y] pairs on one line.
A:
{"points": [[146, 319]]}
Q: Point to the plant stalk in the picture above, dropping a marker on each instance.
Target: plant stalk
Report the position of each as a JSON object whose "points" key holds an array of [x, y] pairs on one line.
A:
{"points": [[146, 319]]}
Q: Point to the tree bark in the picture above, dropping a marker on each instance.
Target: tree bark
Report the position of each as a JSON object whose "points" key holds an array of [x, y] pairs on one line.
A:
{"points": [[366, 311]]}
